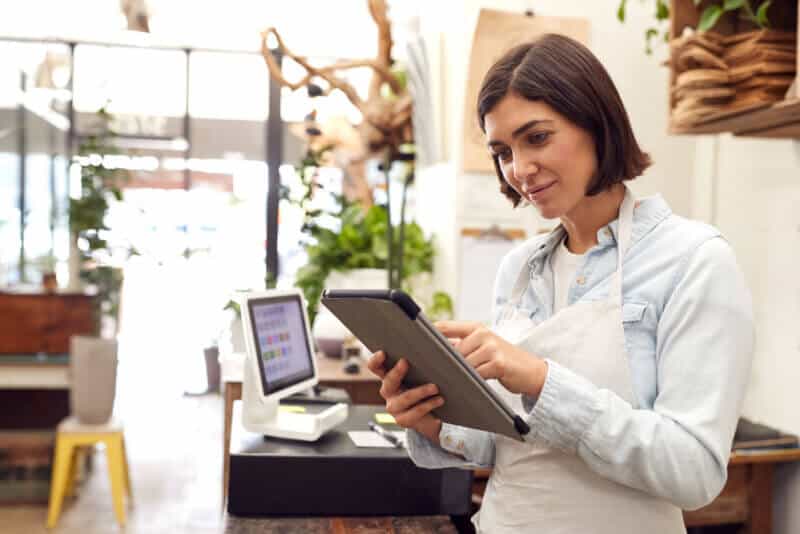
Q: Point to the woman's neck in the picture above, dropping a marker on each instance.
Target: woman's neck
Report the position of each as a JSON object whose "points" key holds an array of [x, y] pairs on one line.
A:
{"points": [[591, 214]]}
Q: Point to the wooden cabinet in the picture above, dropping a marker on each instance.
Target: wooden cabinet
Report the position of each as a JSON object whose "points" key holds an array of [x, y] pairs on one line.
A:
{"points": [[32, 323], [34, 388]]}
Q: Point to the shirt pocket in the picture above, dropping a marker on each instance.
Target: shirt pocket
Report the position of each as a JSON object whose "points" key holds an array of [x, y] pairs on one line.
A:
{"points": [[633, 311], [640, 330], [640, 325]]}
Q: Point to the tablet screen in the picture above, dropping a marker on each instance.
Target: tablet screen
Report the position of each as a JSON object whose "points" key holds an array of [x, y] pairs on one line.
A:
{"points": [[280, 337]]}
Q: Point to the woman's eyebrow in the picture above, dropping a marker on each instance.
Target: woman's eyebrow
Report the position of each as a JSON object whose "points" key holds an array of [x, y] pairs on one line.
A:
{"points": [[519, 131]]}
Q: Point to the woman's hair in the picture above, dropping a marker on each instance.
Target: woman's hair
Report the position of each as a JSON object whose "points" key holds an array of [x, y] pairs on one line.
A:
{"points": [[566, 76]]}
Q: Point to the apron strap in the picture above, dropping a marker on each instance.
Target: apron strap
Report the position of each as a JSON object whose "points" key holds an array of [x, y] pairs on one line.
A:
{"points": [[623, 242]]}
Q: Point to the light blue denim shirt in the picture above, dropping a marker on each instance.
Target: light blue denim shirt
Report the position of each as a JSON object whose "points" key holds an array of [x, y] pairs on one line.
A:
{"points": [[687, 317]]}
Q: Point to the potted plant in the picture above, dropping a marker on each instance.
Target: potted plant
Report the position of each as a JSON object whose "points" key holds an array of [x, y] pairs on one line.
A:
{"points": [[362, 235], [93, 360], [349, 247]]}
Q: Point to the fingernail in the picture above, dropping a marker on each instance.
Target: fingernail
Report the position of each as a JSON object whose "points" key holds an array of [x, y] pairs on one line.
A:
{"points": [[432, 389], [439, 401]]}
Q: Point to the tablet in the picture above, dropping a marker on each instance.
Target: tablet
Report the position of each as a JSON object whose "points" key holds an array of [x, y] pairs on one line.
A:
{"points": [[391, 321]]}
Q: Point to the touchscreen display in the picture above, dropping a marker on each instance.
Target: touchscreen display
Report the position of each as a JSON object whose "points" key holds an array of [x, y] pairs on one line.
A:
{"points": [[280, 340]]}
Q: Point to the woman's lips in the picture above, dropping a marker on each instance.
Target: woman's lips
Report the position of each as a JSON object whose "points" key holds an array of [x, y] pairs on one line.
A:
{"points": [[537, 193]]}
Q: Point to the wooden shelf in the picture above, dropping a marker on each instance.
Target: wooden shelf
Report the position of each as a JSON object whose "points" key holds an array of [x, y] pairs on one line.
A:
{"points": [[780, 120]]}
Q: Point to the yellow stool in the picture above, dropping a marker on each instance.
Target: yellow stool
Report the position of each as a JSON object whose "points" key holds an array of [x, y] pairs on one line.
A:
{"points": [[71, 438]]}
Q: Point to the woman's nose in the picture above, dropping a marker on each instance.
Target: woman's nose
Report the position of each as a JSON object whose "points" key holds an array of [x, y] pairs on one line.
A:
{"points": [[525, 171]]}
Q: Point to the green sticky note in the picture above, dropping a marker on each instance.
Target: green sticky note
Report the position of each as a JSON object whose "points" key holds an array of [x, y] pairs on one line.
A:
{"points": [[385, 419]]}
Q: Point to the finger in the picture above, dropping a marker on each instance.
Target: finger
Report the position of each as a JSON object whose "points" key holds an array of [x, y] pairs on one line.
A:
{"points": [[375, 364], [490, 369], [393, 379], [454, 341], [411, 417], [457, 328], [402, 402], [481, 355], [476, 340]]}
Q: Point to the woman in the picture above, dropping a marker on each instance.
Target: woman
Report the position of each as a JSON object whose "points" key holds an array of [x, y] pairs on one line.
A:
{"points": [[623, 337]]}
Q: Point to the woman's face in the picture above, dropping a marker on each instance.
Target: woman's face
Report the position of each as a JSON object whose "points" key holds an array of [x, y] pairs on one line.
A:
{"points": [[548, 160]]}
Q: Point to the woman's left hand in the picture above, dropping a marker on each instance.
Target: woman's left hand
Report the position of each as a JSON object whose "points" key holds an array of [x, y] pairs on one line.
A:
{"points": [[494, 357]]}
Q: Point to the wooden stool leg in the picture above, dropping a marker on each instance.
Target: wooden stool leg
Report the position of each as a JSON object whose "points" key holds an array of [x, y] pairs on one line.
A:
{"points": [[115, 471], [127, 472], [58, 482]]}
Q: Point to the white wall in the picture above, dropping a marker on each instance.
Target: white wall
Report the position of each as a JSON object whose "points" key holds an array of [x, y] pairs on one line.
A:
{"points": [[750, 189]]}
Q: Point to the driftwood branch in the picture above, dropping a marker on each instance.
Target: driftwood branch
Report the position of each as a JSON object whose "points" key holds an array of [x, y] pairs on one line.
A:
{"points": [[386, 121]]}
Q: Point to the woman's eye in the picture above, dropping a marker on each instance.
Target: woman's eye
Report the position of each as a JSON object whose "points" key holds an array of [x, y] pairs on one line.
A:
{"points": [[538, 138]]}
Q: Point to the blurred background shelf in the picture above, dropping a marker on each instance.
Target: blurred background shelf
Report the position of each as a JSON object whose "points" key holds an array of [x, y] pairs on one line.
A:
{"points": [[779, 120]]}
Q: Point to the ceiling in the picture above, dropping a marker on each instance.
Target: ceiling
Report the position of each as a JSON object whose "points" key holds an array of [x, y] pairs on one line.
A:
{"points": [[341, 29]]}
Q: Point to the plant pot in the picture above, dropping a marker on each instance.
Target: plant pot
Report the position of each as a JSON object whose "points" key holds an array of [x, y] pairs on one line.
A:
{"points": [[213, 370], [93, 367], [74, 264], [237, 336], [328, 331]]}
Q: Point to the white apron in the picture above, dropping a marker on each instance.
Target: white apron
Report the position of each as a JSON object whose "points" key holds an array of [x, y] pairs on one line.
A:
{"points": [[534, 488]]}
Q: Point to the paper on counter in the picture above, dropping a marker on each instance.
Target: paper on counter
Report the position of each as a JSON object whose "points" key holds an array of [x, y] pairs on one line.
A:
{"points": [[368, 438]]}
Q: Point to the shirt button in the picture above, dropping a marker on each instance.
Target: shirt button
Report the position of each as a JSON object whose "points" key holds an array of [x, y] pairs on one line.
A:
{"points": [[607, 232], [581, 280]]}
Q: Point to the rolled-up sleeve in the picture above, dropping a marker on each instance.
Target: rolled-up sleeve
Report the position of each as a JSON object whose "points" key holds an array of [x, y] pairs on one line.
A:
{"points": [[679, 450], [461, 447]]}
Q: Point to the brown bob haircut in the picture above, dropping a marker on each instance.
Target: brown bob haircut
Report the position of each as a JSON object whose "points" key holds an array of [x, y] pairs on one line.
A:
{"points": [[566, 76]]}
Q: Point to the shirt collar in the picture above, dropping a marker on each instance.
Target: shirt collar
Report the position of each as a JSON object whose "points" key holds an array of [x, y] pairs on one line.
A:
{"points": [[647, 213]]}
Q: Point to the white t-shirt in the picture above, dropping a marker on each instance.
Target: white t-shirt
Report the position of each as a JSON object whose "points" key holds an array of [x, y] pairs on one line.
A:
{"points": [[565, 264]]}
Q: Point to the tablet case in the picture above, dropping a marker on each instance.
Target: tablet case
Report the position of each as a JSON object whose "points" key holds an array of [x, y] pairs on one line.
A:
{"points": [[391, 321]]}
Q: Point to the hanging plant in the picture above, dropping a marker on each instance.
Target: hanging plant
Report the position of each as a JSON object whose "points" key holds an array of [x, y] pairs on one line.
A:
{"points": [[660, 27], [712, 13]]}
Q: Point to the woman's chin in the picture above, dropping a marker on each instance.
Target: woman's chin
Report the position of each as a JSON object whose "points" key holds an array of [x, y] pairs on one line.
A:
{"points": [[548, 211]]}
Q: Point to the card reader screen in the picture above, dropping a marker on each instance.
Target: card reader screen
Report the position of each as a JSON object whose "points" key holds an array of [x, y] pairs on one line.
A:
{"points": [[280, 338]]}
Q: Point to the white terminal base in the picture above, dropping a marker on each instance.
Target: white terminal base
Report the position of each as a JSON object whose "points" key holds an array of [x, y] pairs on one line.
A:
{"points": [[299, 426]]}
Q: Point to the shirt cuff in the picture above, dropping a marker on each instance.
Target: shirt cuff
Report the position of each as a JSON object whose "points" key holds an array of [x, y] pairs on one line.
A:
{"points": [[427, 455], [452, 438], [565, 409]]}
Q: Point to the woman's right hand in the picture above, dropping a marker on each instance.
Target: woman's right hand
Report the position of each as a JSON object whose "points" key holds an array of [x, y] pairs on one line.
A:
{"points": [[410, 408]]}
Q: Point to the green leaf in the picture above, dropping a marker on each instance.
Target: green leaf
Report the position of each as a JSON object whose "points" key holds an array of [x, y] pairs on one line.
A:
{"points": [[731, 5], [761, 14], [662, 10], [709, 18], [621, 10], [648, 37]]}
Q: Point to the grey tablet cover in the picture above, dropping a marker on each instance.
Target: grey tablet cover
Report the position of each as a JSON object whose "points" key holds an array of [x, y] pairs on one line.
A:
{"points": [[376, 318]]}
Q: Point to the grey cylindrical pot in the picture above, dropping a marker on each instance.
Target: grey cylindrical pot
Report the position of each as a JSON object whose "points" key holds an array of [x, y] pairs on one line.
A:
{"points": [[93, 366], [213, 369]]}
